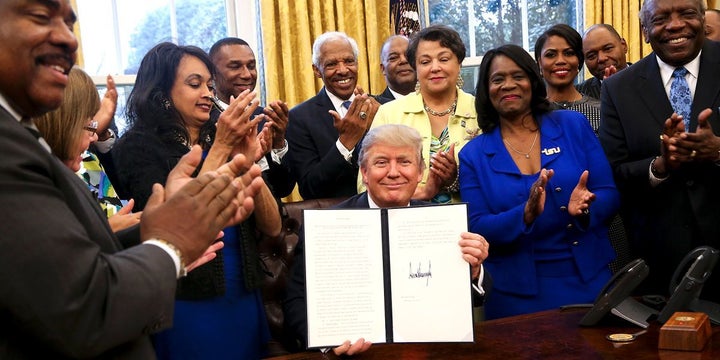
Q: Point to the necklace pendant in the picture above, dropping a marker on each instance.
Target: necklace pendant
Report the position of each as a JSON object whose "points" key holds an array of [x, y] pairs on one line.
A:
{"points": [[527, 156]]}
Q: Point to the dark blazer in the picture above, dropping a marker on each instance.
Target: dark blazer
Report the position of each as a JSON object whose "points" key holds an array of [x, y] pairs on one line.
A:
{"points": [[67, 287], [592, 86], [295, 307], [314, 160], [385, 97], [277, 176], [667, 221]]}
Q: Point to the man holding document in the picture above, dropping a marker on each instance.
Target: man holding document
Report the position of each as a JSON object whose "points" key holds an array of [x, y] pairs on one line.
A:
{"points": [[423, 295]]}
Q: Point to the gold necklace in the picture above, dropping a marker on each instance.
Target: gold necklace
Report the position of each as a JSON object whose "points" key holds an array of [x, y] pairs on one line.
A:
{"points": [[527, 154], [441, 113]]}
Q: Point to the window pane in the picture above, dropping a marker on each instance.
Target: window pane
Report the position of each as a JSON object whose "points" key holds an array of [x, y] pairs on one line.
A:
{"points": [[498, 22], [116, 34]]}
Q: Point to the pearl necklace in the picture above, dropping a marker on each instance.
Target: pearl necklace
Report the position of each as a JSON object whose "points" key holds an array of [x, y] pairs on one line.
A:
{"points": [[441, 113], [527, 154]]}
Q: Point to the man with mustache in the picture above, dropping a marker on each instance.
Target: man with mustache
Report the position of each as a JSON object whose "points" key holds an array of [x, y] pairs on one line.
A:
{"points": [[659, 129], [236, 73], [399, 75], [69, 287], [324, 132], [604, 50]]}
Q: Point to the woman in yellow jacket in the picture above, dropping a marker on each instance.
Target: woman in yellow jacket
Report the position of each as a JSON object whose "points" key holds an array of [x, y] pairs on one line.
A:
{"points": [[442, 113]]}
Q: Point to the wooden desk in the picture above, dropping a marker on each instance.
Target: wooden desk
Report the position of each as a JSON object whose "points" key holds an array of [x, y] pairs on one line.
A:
{"points": [[550, 334]]}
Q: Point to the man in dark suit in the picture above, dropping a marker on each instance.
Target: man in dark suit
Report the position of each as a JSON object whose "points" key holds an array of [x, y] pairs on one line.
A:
{"points": [[668, 175], [323, 132], [604, 51], [69, 287], [399, 75], [236, 73], [392, 166]]}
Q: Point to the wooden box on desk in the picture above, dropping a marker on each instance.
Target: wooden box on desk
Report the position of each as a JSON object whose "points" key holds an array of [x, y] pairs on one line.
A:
{"points": [[688, 331]]}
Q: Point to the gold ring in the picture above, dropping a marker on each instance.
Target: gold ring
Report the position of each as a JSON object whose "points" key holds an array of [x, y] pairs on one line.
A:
{"points": [[661, 137], [693, 153]]}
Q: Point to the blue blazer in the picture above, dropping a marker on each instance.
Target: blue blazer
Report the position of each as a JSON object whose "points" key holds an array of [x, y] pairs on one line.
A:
{"points": [[314, 160], [496, 193]]}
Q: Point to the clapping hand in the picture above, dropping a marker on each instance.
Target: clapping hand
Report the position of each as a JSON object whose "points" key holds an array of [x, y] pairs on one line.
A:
{"points": [[536, 202], [581, 197]]}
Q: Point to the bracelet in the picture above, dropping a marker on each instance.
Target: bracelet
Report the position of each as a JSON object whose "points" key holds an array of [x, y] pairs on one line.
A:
{"points": [[455, 186]]}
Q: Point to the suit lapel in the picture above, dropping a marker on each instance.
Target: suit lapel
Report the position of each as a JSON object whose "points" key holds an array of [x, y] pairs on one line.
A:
{"points": [[652, 91], [707, 89]]}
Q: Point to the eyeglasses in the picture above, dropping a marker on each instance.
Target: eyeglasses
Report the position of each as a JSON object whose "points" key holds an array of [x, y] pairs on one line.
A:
{"points": [[91, 127]]}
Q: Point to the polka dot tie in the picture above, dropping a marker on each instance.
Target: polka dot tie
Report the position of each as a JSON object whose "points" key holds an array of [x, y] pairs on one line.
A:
{"points": [[680, 97]]}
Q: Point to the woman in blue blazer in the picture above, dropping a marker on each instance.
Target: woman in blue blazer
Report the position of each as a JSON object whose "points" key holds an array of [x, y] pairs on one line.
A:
{"points": [[539, 189]]}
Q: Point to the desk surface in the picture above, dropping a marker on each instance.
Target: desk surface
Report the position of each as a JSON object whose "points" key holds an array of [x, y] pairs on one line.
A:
{"points": [[553, 334]]}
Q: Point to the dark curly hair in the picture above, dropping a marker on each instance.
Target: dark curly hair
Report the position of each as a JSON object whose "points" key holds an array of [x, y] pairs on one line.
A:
{"points": [[149, 106], [488, 117]]}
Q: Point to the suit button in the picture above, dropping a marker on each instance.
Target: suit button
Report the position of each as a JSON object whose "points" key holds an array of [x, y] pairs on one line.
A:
{"points": [[558, 189], [569, 226], [563, 208], [575, 243]]}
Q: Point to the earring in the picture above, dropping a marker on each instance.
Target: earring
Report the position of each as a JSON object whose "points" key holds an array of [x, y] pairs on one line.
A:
{"points": [[166, 103], [460, 82], [417, 86]]}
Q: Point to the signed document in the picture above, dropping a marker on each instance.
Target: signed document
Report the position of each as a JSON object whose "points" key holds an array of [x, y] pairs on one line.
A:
{"points": [[387, 275]]}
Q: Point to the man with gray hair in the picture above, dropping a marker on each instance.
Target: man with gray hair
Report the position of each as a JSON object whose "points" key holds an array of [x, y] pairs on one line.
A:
{"points": [[399, 75], [324, 132], [659, 126], [391, 165]]}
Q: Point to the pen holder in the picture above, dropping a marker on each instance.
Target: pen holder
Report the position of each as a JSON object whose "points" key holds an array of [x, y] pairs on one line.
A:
{"points": [[688, 331]]}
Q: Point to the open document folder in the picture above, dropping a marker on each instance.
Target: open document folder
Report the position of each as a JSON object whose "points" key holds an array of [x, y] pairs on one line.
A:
{"points": [[387, 275]]}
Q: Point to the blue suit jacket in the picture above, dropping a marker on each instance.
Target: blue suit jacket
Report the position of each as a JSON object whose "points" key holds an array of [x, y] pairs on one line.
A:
{"points": [[667, 221], [496, 194], [314, 160]]}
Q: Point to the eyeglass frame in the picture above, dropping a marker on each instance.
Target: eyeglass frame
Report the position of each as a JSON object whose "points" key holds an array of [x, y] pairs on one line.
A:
{"points": [[92, 127]]}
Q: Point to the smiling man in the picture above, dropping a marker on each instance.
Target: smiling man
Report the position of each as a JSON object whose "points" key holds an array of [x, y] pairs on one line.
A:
{"points": [[237, 72], [666, 165], [324, 131], [391, 163], [604, 50], [399, 75]]}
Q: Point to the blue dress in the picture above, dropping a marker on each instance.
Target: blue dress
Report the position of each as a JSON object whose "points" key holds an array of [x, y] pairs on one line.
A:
{"points": [[232, 326], [556, 260]]}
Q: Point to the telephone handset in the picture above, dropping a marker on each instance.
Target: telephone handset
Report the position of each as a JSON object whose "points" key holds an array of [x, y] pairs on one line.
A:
{"points": [[687, 282], [615, 297]]}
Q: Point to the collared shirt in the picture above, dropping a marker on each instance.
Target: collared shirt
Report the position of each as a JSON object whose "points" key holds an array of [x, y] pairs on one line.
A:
{"points": [[397, 95], [693, 68], [6, 105], [666, 71]]}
